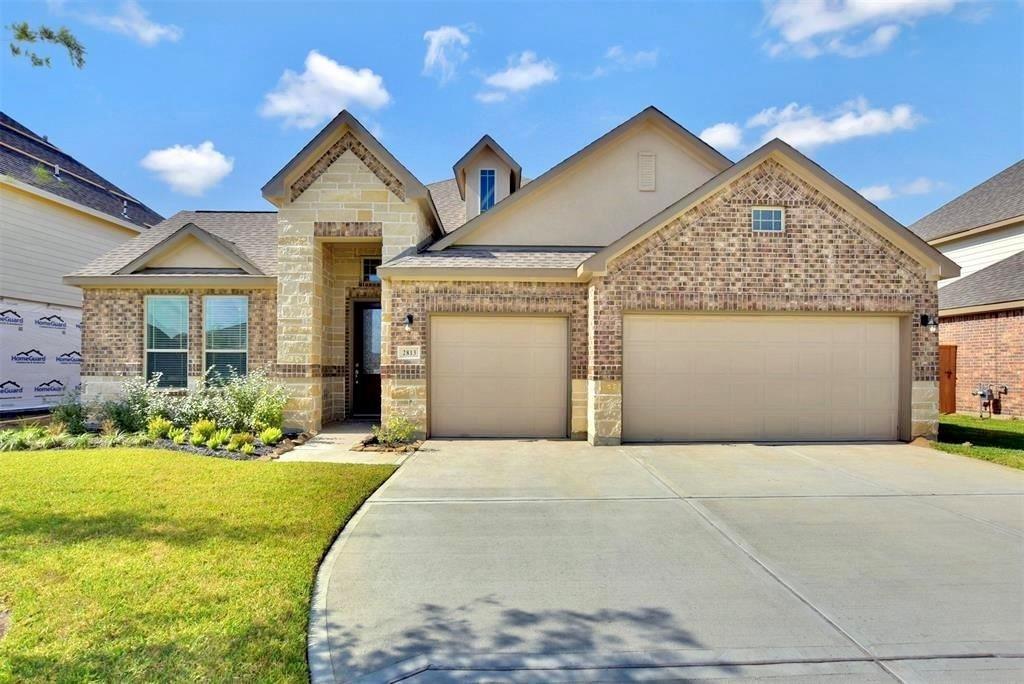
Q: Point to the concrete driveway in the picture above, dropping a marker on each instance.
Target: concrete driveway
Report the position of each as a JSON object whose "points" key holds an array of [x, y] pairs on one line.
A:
{"points": [[555, 561]]}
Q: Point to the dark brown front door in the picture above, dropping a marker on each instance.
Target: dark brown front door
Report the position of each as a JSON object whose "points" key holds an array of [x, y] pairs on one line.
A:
{"points": [[366, 359], [947, 378]]}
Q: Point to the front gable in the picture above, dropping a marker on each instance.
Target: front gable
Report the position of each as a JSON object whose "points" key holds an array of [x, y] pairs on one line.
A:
{"points": [[190, 249], [601, 192], [824, 254]]}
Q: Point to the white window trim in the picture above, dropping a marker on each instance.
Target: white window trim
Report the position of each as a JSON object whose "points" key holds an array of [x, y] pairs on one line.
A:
{"points": [[781, 210], [480, 195], [145, 337], [206, 369]]}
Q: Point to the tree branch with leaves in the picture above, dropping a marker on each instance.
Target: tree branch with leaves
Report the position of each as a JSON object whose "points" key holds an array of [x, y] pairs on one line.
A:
{"points": [[23, 36]]}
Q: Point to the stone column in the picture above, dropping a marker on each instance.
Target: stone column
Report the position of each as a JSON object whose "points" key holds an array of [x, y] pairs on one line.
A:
{"points": [[299, 319], [604, 368]]}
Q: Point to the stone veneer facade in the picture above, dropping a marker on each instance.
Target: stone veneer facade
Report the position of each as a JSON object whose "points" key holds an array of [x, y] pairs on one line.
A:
{"points": [[989, 351], [707, 259], [114, 333], [348, 197]]}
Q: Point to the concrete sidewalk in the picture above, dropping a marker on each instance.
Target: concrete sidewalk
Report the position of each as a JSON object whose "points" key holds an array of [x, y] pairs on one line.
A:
{"points": [[334, 445], [555, 561]]}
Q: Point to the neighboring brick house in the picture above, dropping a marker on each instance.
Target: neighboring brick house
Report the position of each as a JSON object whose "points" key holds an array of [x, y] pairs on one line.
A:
{"points": [[981, 313], [56, 214], [644, 289]]}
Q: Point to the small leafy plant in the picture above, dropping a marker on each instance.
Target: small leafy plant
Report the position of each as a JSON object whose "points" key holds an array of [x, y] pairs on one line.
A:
{"points": [[72, 412], [248, 449], [203, 429], [159, 427], [240, 439], [218, 438], [271, 436], [396, 430], [177, 435]]}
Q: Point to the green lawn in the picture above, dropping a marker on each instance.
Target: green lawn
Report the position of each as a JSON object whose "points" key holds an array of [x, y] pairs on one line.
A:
{"points": [[139, 564], [999, 441]]}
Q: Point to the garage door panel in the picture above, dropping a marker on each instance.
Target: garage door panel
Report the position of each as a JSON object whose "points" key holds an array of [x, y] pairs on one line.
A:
{"points": [[759, 377], [498, 376]]}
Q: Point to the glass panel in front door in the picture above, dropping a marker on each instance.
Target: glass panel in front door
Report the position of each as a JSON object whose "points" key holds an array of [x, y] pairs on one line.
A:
{"points": [[371, 341]]}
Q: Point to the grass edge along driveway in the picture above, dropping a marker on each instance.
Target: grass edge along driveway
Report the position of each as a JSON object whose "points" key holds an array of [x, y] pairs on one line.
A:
{"points": [[992, 439], [129, 564]]}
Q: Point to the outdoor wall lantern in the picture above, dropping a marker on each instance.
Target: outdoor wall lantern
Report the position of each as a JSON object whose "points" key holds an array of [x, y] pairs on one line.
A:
{"points": [[408, 322], [931, 322]]}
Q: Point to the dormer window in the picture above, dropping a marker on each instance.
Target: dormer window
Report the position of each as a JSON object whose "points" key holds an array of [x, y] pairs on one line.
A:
{"points": [[486, 189]]}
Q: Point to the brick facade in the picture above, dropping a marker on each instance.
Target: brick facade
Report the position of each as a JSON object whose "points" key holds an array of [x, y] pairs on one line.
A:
{"points": [[708, 259], [114, 326], [989, 351]]}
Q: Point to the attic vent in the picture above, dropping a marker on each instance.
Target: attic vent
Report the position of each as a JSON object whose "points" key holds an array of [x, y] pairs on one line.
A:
{"points": [[124, 208], [647, 172]]}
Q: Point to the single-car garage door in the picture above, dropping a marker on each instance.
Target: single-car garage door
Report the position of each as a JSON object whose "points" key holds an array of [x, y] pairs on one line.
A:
{"points": [[760, 378], [498, 376]]}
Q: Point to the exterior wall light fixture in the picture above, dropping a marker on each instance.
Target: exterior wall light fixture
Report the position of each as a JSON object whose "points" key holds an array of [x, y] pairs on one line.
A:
{"points": [[931, 322], [408, 322]]}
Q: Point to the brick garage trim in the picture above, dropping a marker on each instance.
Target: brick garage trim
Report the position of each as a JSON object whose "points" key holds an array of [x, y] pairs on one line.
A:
{"points": [[989, 350], [423, 299], [114, 323]]}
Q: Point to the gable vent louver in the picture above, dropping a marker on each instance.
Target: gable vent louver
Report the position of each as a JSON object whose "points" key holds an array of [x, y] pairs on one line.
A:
{"points": [[647, 164]]}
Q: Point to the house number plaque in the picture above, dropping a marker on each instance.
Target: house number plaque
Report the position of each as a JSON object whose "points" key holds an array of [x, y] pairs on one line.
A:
{"points": [[411, 353]]}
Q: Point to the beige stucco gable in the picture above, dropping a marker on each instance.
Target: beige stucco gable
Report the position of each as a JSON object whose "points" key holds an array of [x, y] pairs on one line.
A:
{"points": [[595, 196], [190, 253]]}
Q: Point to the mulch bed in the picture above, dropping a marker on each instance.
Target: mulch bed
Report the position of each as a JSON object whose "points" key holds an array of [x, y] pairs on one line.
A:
{"points": [[371, 444]]}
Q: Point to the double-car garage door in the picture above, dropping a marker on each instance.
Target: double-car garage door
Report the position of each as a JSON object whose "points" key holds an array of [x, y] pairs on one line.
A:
{"points": [[760, 378], [685, 377]]}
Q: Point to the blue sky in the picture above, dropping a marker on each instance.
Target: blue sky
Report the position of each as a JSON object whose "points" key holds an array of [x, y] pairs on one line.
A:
{"points": [[192, 105]]}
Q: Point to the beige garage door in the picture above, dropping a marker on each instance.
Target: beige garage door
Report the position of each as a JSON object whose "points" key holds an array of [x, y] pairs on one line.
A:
{"points": [[760, 378], [498, 376]]}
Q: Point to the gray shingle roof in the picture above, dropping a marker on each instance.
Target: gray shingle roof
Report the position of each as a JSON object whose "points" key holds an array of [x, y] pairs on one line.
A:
{"points": [[1000, 197], [497, 258], [1003, 281], [450, 205], [27, 157], [252, 233]]}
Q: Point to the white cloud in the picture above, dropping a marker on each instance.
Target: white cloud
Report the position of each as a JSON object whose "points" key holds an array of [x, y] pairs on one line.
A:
{"points": [[446, 49], [321, 91], [131, 20], [491, 96], [877, 193], [187, 169], [523, 72], [617, 58], [723, 136], [803, 127], [883, 192], [850, 28]]}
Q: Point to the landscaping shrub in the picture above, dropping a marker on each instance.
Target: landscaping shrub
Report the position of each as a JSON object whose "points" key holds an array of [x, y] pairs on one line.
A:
{"points": [[396, 430], [72, 412], [158, 427], [57, 427], [139, 439], [140, 400], [271, 436], [218, 438], [251, 400], [240, 439], [203, 429], [248, 449], [83, 441], [177, 435]]}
